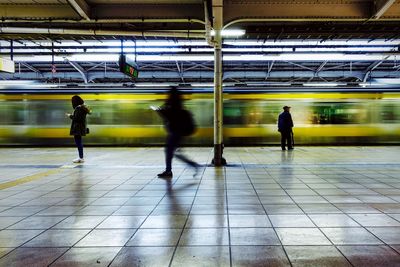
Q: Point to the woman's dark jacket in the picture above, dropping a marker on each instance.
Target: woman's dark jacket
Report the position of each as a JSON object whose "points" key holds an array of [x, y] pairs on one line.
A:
{"points": [[78, 124], [171, 119]]}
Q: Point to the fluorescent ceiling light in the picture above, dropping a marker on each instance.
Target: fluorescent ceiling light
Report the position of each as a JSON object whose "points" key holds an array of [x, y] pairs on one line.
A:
{"points": [[209, 57], [310, 57], [268, 84], [15, 82], [45, 85], [230, 33], [159, 50], [202, 84], [22, 84], [132, 50], [127, 43], [323, 84], [289, 42], [154, 84], [387, 81], [344, 49], [175, 58], [94, 58], [236, 32], [364, 84]]}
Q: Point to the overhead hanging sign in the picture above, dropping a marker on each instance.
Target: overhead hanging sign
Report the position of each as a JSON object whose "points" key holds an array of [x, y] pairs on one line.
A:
{"points": [[7, 65], [128, 66]]}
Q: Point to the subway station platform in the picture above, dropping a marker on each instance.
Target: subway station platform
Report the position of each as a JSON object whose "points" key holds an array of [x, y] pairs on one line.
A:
{"points": [[314, 206]]}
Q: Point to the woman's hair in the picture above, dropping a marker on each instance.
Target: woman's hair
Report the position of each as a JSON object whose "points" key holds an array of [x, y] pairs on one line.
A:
{"points": [[174, 99], [76, 101]]}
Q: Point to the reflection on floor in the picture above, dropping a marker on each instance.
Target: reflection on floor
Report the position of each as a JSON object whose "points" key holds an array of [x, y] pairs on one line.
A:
{"points": [[315, 206]]}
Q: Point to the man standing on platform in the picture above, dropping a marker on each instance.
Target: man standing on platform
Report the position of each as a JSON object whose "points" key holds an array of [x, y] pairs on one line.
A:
{"points": [[285, 125]]}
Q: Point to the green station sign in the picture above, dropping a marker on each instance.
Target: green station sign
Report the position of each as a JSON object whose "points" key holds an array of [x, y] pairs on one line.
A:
{"points": [[128, 67]]}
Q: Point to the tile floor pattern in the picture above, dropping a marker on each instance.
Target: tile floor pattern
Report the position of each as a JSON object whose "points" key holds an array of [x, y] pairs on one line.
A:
{"points": [[315, 206]]}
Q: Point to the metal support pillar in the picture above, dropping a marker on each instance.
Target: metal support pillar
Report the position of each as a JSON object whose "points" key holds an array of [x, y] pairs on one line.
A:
{"points": [[218, 109], [217, 9]]}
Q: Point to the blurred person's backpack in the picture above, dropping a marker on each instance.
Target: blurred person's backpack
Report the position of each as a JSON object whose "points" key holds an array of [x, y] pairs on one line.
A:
{"points": [[186, 123]]}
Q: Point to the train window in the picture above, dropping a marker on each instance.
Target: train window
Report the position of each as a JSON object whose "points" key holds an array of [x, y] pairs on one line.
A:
{"points": [[339, 113], [233, 114], [21, 113], [390, 113], [271, 112], [202, 111], [10, 114]]}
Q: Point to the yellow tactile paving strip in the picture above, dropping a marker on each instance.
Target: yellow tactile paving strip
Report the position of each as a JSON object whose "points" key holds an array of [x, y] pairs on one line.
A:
{"points": [[27, 179]]}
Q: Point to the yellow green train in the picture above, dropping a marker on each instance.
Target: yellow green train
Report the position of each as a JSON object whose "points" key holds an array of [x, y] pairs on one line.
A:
{"points": [[123, 117]]}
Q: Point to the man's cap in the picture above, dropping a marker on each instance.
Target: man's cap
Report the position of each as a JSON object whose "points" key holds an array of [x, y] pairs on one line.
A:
{"points": [[285, 107]]}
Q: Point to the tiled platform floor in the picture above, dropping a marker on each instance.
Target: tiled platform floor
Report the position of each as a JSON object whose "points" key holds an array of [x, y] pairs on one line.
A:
{"points": [[315, 206]]}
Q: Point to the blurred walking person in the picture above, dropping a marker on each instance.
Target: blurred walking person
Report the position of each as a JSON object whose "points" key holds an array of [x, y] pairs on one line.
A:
{"points": [[179, 123], [285, 125], [78, 124]]}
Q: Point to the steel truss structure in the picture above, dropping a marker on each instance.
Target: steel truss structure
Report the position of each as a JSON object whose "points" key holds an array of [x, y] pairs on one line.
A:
{"points": [[193, 65]]}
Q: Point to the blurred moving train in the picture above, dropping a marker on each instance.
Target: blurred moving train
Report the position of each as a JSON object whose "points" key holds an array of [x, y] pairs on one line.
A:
{"points": [[123, 117]]}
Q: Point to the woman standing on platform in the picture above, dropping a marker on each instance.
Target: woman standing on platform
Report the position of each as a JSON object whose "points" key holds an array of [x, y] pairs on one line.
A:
{"points": [[78, 124]]}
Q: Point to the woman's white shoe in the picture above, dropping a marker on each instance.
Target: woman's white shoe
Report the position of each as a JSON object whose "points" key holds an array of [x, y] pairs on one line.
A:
{"points": [[78, 160]]}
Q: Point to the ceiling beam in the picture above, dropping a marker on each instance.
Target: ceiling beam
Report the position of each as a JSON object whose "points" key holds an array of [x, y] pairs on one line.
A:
{"points": [[317, 71], [79, 11], [321, 67], [81, 7], [299, 65], [95, 66], [197, 75], [199, 65], [30, 67], [180, 70], [74, 10], [381, 6], [94, 32], [81, 71], [35, 12], [149, 11], [270, 66], [370, 68], [247, 11]]}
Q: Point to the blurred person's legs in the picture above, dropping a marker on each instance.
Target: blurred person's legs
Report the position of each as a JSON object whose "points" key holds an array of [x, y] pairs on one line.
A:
{"points": [[290, 140], [188, 161], [185, 159], [283, 140], [286, 139], [171, 146], [79, 145]]}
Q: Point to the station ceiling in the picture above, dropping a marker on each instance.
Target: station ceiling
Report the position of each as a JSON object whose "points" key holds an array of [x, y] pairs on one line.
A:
{"points": [[39, 24], [186, 18], [194, 9]]}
